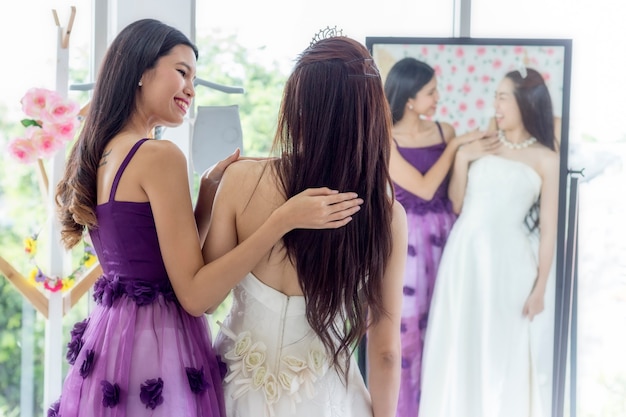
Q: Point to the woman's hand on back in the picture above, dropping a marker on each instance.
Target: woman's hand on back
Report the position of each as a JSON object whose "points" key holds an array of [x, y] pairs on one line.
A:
{"points": [[319, 208]]}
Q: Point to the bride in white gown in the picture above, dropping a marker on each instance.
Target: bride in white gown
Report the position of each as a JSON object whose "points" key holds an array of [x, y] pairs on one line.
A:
{"points": [[482, 357], [288, 339]]}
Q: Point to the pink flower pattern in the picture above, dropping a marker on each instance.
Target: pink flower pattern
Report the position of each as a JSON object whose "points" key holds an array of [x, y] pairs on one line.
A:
{"points": [[469, 75]]}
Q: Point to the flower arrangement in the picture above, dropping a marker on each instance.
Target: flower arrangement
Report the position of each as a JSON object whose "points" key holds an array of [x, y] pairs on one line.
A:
{"points": [[52, 122], [55, 283]]}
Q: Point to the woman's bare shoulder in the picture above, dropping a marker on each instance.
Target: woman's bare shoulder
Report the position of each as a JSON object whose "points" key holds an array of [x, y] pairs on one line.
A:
{"points": [[245, 170], [448, 131], [548, 161], [161, 153]]}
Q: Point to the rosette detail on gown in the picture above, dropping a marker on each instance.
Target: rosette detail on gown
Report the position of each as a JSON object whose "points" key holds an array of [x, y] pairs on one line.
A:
{"points": [[277, 366]]}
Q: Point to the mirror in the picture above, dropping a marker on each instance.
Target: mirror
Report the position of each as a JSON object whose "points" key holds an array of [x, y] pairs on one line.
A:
{"points": [[468, 73]]}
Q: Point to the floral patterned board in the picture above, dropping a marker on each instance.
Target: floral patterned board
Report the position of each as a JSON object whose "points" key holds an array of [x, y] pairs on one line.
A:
{"points": [[468, 74]]}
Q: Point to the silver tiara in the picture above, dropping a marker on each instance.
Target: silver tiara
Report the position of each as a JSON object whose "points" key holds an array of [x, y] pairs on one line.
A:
{"points": [[326, 33]]}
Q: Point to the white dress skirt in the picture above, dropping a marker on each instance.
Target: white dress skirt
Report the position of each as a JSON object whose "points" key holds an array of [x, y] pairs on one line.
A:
{"points": [[482, 357]]}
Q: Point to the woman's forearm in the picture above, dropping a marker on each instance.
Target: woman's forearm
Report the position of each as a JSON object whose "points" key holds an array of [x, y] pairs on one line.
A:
{"points": [[458, 183], [384, 383]]}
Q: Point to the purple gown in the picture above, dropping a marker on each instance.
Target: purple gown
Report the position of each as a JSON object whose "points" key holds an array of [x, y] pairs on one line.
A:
{"points": [[429, 223], [139, 353]]}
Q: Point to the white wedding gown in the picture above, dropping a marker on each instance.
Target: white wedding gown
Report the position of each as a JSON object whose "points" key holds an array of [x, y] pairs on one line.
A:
{"points": [[277, 365], [482, 357]]}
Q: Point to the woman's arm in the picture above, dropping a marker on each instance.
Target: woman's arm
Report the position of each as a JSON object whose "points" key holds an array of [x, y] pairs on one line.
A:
{"points": [[425, 185], [458, 181], [209, 181], [548, 218], [200, 287], [383, 339]]}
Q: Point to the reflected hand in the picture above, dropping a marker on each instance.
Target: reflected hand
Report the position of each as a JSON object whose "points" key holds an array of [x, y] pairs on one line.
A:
{"points": [[534, 304], [489, 144], [319, 208], [470, 137]]}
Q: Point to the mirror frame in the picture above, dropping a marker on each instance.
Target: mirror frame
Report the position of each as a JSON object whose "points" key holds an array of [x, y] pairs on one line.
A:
{"points": [[387, 50]]}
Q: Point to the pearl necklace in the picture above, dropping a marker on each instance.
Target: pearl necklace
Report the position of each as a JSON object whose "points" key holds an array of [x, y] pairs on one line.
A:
{"points": [[512, 145]]}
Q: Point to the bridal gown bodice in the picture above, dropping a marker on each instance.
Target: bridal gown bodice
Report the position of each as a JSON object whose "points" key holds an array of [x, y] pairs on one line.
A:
{"points": [[276, 364]]}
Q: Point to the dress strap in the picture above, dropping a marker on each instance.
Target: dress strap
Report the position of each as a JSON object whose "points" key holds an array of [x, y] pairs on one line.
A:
{"points": [[122, 167], [443, 139]]}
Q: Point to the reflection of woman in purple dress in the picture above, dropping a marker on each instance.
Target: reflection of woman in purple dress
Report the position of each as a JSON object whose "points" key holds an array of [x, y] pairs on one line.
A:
{"points": [[146, 350], [421, 157]]}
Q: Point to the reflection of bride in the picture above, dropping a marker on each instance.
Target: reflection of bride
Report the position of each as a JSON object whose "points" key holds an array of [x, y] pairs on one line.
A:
{"points": [[487, 345]]}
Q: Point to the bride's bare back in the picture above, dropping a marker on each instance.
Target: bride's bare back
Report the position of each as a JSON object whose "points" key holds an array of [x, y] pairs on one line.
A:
{"points": [[250, 190]]}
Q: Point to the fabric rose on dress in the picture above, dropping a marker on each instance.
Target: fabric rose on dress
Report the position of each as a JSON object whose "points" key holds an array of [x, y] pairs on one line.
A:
{"points": [[254, 358], [73, 349], [76, 342], [318, 362], [271, 389], [79, 328], [142, 292], [98, 289], [197, 382], [110, 394], [85, 368], [53, 411], [242, 345], [112, 291], [258, 378], [107, 290], [289, 382], [408, 290], [151, 393]]}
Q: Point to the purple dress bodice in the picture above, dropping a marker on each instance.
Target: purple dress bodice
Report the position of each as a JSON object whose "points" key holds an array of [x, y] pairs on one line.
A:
{"points": [[126, 241], [423, 159], [127, 246]]}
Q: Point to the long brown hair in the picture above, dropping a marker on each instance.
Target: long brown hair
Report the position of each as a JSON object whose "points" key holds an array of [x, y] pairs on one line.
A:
{"points": [[334, 130], [535, 105], [136, 49]]}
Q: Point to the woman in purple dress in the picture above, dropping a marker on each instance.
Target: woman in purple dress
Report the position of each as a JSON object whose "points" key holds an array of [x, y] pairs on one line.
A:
{"points": [[421, 157], [146, 349]]}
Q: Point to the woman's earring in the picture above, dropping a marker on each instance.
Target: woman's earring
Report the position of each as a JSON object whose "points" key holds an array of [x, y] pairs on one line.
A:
{"points": [[140, 83], [410, 107]]}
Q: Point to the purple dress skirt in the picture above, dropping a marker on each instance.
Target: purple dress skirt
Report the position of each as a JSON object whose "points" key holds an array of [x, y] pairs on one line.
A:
{"points": [[429, 223], [139, 353]]}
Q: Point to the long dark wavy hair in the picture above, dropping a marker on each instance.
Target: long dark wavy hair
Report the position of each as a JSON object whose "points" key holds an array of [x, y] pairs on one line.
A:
{"points": [[136, 49], [334, 130], [535, 105], [404, 80]]}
